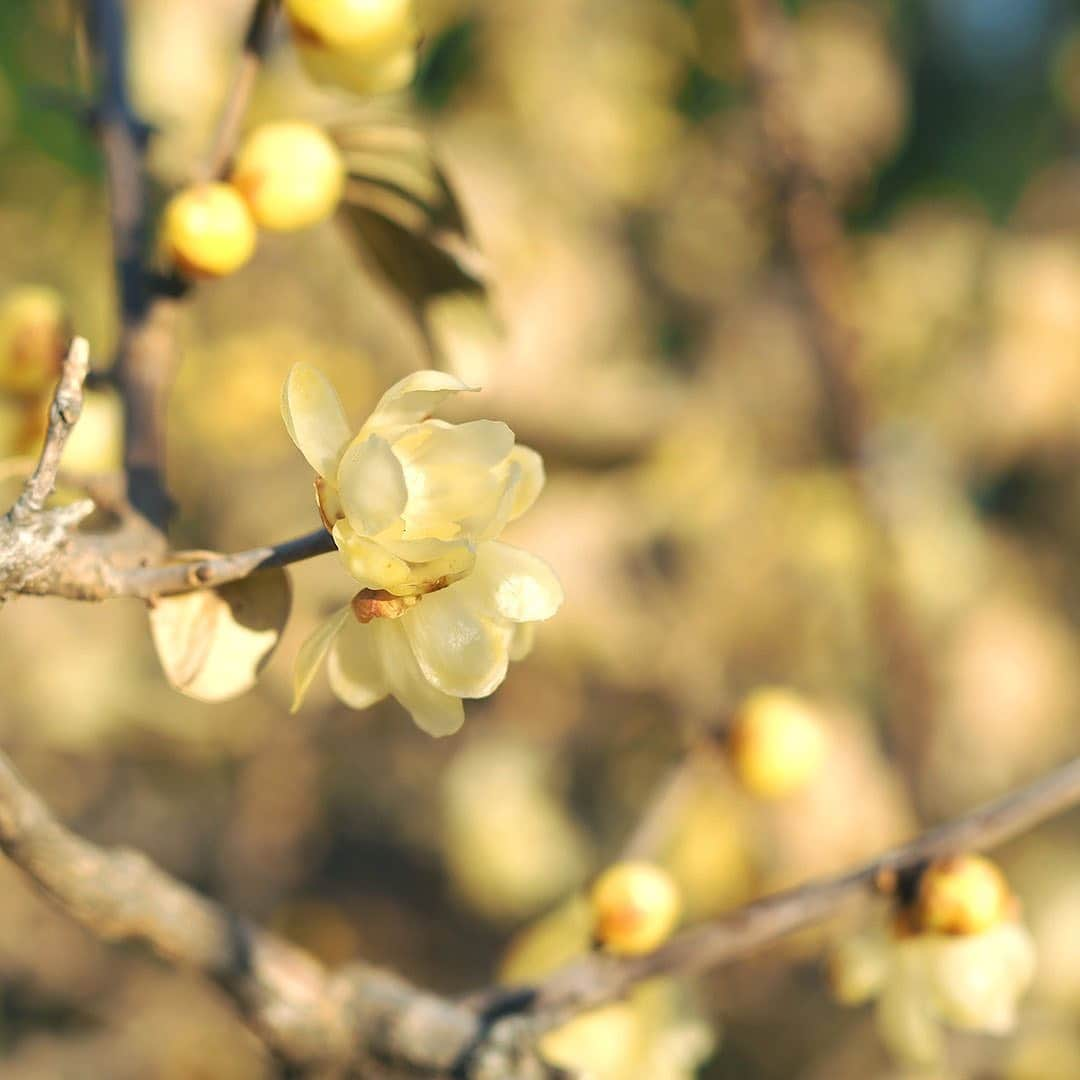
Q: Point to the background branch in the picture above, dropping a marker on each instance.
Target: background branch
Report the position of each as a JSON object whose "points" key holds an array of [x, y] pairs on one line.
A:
{"points": [[365, 1018]]}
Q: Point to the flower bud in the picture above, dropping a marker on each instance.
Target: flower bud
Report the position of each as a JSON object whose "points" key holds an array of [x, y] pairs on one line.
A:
{"points": [[777, 743], [636, 905], [208, 231], [371, 29], [963, 895], [291, 175]]}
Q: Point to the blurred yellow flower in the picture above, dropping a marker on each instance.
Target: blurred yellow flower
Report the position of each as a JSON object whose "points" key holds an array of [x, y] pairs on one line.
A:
{"points": [[925, 981], [408, 498]]}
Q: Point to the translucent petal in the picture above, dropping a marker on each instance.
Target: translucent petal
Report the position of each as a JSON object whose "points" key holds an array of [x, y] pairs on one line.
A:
{"points": [[489, 523], [354, 668], [413, 399], [432, 710], [314, 417], [519, 585], [479, 444], [312, 652], [444, 497], [457, 649], [532, 479], [368, 562], [522, 639], [371, 485]]}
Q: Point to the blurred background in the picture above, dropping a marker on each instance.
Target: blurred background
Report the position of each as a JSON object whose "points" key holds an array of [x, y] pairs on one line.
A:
{"points": [[653, 327]]}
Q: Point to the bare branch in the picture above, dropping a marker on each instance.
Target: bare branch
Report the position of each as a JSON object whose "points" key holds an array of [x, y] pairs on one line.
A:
{"points": [[172, 578], [598, 979], [256, 42], [63, 414]]}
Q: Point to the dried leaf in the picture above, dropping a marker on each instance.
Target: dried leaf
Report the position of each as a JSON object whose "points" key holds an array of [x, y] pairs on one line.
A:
{"points": [[213, 643], [406, 221]]}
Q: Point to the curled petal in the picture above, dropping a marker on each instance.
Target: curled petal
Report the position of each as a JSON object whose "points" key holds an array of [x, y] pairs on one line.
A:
{"points": [[368, 562], [531, 483], [520, 585], [312, 652], [432, 710], [458, 650], [371, 485], [314, 417], [354, 668], [413, 399]]}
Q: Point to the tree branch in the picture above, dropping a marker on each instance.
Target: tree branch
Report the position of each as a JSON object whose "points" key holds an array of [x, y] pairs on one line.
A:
{"points": [[598, 979], [374, 1021], [63, 414]]}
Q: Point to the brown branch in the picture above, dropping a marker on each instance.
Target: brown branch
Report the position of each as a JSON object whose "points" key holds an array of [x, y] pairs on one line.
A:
{"points": [[372, 1021], [597, 979], [151, 581], [358, 1019], [63, 414], [256, 43]]}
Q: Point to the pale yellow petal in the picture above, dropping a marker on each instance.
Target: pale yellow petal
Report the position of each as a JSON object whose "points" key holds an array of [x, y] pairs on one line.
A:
{"points": [[368, 562], [371, 485], [314, 417], [354, 668], [458, 650], [479, 444], [522, 639], [532, 479], [432, 711], [312, 652], [413, 399], [520, 585]]}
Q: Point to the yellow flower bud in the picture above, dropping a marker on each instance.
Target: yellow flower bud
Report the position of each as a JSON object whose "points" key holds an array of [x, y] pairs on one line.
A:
{"points": [[33, 336], [963, 895], [636, 905], [372, 29], [208, 231], [290, 174], [777, 743]]}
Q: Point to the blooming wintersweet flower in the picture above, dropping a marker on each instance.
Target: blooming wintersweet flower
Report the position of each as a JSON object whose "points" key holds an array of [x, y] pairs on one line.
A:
{"points": [[408, 497], [430, 650]]}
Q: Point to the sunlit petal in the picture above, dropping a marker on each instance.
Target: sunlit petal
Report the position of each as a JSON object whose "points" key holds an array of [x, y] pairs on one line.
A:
{"points": [[457, 649], [413, 399], [371, 485], [522, 587], [354, 668], [314, 417], [433, 711], [312, 652]]}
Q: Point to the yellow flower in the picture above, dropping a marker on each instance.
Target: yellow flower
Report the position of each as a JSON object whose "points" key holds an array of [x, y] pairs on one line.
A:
{"points": [[431, 650], [408, 498]]}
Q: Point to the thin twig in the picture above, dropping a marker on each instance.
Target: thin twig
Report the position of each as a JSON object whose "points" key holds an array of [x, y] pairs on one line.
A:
{"points": [[151, 581], [256, 43], [63, 413]]}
